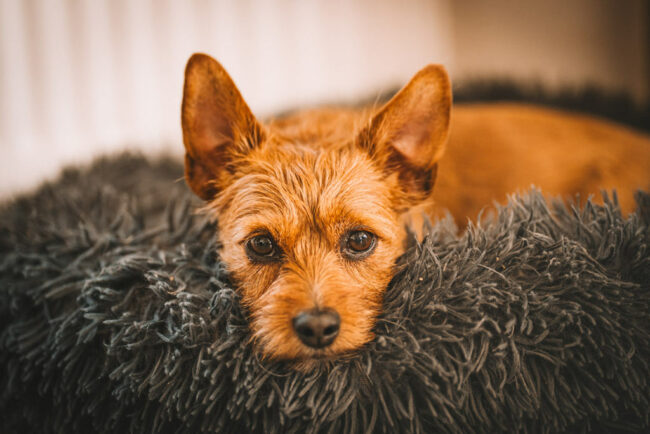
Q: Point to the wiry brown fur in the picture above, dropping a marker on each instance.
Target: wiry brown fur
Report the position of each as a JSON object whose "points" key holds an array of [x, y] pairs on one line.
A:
{"points": [[309, 178], [500, 148]]}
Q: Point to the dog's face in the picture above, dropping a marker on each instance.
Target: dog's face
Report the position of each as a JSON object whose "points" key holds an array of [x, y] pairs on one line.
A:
{"points": [[311, 228], [308, 230]]}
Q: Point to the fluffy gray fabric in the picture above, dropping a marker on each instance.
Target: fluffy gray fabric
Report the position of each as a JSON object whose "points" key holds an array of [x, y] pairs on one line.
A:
{"points": [[117, 316]]}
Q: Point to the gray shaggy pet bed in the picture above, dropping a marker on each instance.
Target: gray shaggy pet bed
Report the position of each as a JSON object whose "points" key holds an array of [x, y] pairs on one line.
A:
{"points": [[117, 316]]}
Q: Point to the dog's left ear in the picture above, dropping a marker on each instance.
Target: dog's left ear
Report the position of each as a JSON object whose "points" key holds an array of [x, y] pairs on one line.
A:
{"points": [[408, 135], [218, 126]]}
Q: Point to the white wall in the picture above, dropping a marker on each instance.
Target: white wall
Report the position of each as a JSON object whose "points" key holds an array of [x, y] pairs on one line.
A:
{"points": [[83, 77]]}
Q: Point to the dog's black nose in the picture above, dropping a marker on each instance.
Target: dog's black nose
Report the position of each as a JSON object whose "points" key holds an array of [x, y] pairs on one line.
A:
{"points": [[317, 328]]}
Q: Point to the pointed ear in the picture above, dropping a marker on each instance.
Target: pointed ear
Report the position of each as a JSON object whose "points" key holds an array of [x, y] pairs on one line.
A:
{"points": [[218, 126], [408, 135]]}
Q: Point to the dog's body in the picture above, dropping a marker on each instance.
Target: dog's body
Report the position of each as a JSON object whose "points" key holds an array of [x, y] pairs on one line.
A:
{"points": [[310, 206], [498, 149]]}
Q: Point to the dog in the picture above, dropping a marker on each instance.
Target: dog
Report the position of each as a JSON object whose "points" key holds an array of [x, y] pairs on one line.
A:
{"points": [[310, 207]]}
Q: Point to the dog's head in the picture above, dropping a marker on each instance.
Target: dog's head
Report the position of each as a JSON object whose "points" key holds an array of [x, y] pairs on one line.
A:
{"points": [[310, 224]]}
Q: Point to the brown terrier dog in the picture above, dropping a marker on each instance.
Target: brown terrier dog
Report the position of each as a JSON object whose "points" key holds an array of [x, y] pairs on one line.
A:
{"points": [[310, 207]]}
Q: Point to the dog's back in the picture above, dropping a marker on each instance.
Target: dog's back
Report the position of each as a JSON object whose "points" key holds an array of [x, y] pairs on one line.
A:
{"points": [[496, 149], [500, 148]]}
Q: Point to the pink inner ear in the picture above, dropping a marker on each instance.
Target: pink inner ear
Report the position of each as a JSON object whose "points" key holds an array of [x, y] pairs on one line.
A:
{"points": [[415, 142], [212, 112], [212, 131], [416, 120]]}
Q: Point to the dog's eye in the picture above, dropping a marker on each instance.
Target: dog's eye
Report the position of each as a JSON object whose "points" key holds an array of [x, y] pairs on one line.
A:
{"points": [[262, 248], [262, 245], [358, 244], [360, 241]]}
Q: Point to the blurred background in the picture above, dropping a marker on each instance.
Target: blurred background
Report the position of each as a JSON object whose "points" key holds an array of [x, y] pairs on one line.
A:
{"points": [[80, 78]]}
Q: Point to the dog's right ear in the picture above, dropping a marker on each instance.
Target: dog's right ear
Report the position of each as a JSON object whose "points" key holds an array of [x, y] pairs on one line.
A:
{"points": [[407, 137], [218, 126]]}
